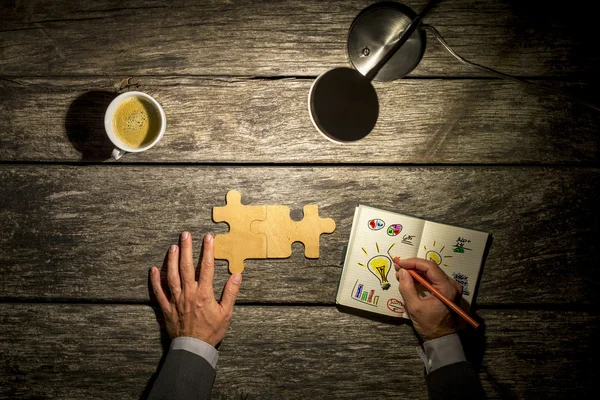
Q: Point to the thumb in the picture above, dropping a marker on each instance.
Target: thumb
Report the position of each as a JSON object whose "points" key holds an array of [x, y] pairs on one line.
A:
{"points": [[231, 291], [407, 288]]}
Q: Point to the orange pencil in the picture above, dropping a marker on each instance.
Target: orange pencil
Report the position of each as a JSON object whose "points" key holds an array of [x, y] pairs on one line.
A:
{"points": [[443, 298]]}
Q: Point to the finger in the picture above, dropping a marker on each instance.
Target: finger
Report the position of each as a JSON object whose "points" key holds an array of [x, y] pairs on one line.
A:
{"points": [[207, 265], [458, 286], [161, 297], [397, 263], [432, 271], [173, 272], [186, 261], [407, 288], [459, 289], [231, 291]]}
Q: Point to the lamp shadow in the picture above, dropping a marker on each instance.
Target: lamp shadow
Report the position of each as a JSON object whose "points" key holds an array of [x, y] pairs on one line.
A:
{"points": [[84, 125]]}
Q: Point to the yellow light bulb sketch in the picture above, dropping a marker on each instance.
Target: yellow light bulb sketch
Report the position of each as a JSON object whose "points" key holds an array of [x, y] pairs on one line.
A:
{"points": [[435, 256], [380, 266]]}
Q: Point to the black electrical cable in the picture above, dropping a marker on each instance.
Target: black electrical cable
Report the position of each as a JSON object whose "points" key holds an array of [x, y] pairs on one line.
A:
{"points": [[502, 75]]}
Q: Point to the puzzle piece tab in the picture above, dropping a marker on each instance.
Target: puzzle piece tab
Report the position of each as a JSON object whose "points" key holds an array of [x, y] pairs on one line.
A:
{"points": [[265, 231], [240, 243], [281, 231]]}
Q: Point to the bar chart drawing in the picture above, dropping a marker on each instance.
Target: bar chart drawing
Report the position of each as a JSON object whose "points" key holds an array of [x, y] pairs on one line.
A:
{"points": [[364, 295]]}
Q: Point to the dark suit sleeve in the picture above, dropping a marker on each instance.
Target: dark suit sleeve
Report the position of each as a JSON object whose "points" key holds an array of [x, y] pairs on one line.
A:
{"points": [[454, 381], [184, 375]]}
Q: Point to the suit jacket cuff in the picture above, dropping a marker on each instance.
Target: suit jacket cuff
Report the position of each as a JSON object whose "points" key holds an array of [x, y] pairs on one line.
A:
{"points": [[442, 351], [198, 347]]}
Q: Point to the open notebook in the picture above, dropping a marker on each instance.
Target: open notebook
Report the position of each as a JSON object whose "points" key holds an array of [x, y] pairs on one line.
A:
{"points": [[368, 280]]}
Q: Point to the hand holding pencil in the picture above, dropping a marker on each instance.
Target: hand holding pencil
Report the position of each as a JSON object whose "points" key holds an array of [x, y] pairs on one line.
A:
{"points": [[431, 317]]}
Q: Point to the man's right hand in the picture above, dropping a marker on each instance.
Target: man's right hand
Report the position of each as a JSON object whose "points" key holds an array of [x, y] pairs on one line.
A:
{"points": [[431, 318], [192, 310]]}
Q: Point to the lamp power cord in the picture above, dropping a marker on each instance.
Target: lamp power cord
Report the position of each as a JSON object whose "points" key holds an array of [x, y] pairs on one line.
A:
{"points": [[493, 72]]}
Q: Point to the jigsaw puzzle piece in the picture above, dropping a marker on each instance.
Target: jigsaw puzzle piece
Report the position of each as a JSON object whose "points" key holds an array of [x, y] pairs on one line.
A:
{"points": [[240, 243], [281, 231]]}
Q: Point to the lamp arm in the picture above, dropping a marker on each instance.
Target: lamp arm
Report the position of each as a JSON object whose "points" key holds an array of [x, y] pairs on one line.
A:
{"points": [[404, 36]]}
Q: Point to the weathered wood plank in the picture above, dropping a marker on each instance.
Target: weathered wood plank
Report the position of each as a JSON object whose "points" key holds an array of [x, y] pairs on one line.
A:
{"points": [[267, 37], [93, 232], [245, 120], [109, 351]]}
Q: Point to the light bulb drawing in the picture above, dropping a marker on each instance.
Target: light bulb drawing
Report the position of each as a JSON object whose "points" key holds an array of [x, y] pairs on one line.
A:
{"points": [[434, 255], [380, 266]]}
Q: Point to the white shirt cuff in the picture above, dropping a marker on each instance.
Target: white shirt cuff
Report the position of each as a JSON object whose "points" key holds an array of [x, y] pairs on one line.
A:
{"points": [[198, 347], [440, 352]]}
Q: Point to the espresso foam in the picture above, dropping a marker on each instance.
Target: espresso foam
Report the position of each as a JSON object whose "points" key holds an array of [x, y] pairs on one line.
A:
{"points": [[136, 122]]}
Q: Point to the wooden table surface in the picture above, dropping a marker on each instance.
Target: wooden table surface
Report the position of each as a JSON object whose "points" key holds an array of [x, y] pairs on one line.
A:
{"points": [[79, 231]]}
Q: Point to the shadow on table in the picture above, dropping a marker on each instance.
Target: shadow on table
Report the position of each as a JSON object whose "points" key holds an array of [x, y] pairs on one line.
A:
{"points": [[475, 344], [84, 125], [165, 341], [473, 340]]}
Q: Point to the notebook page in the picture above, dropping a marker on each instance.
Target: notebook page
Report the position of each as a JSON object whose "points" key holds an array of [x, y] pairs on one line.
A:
{"points": [[458, 252], [368, 281]]}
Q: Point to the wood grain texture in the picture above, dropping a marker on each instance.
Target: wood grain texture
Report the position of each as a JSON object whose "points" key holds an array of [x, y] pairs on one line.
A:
{"points": [[247, 121], [111, 351], [233, 77], [279, 38], [92, 232]]}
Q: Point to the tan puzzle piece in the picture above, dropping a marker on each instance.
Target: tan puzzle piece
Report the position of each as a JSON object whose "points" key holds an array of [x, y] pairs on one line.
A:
{"points": [[240, 243], [265, 231], [281, 231]]}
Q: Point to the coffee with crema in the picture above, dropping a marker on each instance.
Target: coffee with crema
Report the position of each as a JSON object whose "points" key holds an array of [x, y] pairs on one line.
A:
{"points": [[137, 122]]}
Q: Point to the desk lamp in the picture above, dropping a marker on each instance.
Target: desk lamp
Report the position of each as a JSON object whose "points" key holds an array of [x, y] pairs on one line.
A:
{"points": [[386, 41]]}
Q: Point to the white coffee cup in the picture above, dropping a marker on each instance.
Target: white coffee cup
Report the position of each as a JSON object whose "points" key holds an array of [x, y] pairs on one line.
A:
{"points": [[122, 147]]}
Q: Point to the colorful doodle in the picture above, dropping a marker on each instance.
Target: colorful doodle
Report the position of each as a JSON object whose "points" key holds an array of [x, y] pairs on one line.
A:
{"points": [[462, 280], [435, 256], [359, 293], [459, 247], [396, 306], [380, 265], [394, 230], [376, 224]]}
